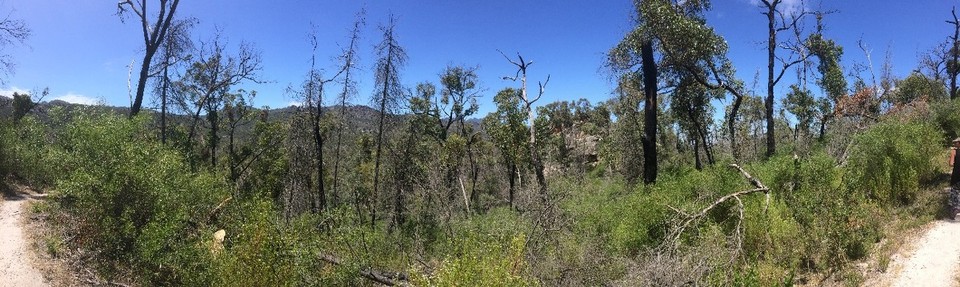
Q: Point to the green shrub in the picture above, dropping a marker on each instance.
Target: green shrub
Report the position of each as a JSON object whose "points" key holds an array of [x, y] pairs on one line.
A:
{"points": [[135, 202], [888, 161], [25, 153], [484, 251], [946, 115]]}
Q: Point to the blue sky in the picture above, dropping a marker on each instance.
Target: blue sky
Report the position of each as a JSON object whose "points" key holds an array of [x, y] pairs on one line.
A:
{"points": [[80, 49]]}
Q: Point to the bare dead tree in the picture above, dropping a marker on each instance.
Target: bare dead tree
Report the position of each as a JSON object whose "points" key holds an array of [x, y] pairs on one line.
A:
{"points": [[348, 60], [388, 93], [239, 111], [209, 78], [154, 32], [528, 102], [933, 62], [12, 31], [312, 96], [174, 52], [778, 21]]}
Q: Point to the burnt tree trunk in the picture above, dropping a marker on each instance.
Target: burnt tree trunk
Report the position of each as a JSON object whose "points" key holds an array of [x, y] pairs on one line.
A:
{"points": [[214, 120], [318, 161], [696, 154], [953, 68], [511, 178], [649, 139], [163, 103], [771, 58]]}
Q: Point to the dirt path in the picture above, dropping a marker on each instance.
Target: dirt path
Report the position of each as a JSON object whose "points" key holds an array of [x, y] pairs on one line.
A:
{"points": [[933, 259], [16, 268]]}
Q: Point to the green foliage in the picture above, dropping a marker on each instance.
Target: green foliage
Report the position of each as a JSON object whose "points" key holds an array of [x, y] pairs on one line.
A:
{"points": [[917, 86], [22, 104], [484, 251], [24, 152], [801, 104], [888, 161], [828, 53], [506, 127], [139, 204], [946, 115]]}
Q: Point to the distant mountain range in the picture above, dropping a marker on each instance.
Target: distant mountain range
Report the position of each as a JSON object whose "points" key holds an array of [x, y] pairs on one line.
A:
{"points": [[359, 117]]}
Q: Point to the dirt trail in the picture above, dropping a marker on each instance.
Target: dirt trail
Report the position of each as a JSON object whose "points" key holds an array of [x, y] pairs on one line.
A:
{"points": [[16, 269], [933, 259]]}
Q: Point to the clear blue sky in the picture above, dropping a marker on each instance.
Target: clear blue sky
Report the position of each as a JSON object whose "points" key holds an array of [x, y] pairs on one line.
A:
{"points": [[81, 49]]}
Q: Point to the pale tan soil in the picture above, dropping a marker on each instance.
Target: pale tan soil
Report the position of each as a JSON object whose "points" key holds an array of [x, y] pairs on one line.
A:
{"points": [[16, 265], [933, 259]]}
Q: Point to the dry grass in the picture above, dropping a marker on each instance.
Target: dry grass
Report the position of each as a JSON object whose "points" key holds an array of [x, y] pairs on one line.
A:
{"points": [[900, 232], [50, 245]]}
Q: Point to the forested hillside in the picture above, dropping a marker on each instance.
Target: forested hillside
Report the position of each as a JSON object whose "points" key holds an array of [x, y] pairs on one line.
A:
{"points": [[687, 175]]}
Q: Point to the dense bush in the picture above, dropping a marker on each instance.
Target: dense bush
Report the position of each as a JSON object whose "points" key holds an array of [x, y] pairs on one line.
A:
{"points": [[946, 115], [144, 208], [23, 150], [888, 161], [135, 202], [487, 251]]}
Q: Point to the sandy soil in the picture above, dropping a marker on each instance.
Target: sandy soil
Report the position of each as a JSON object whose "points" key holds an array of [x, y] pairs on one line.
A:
{"points": [[933, 259], [16, 268]]}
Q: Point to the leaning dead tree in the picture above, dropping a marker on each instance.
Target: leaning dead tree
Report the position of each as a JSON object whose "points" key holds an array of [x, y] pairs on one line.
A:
{"points": [[688, 220], [521, 75], [153, 35]]}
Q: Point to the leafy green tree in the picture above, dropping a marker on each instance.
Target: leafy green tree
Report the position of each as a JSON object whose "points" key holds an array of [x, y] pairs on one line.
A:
{"points": [[916, 86], [676, 31], [508, 133], [23, 104], [953, 62], [831, 80], [445, 115], [459, 94], [690, 105], [801, 104], [828, 54], [623, 152]]}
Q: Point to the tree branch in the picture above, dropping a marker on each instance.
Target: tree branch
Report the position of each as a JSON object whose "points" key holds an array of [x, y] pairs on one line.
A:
{"points": [[696, 217], [383, 277]]}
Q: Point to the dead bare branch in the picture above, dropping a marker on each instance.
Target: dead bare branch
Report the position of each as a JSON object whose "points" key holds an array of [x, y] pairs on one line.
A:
{"points": [[388, 278], [689, 220]]}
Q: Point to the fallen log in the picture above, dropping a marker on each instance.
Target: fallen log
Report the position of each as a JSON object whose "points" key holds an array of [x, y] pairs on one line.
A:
{"points": [[388, 278]]}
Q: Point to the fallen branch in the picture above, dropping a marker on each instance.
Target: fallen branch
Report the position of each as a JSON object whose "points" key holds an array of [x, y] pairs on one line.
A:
{"points": [[383, 277], [216, 210], [690, 219], [466, 201], [756, 183]]}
